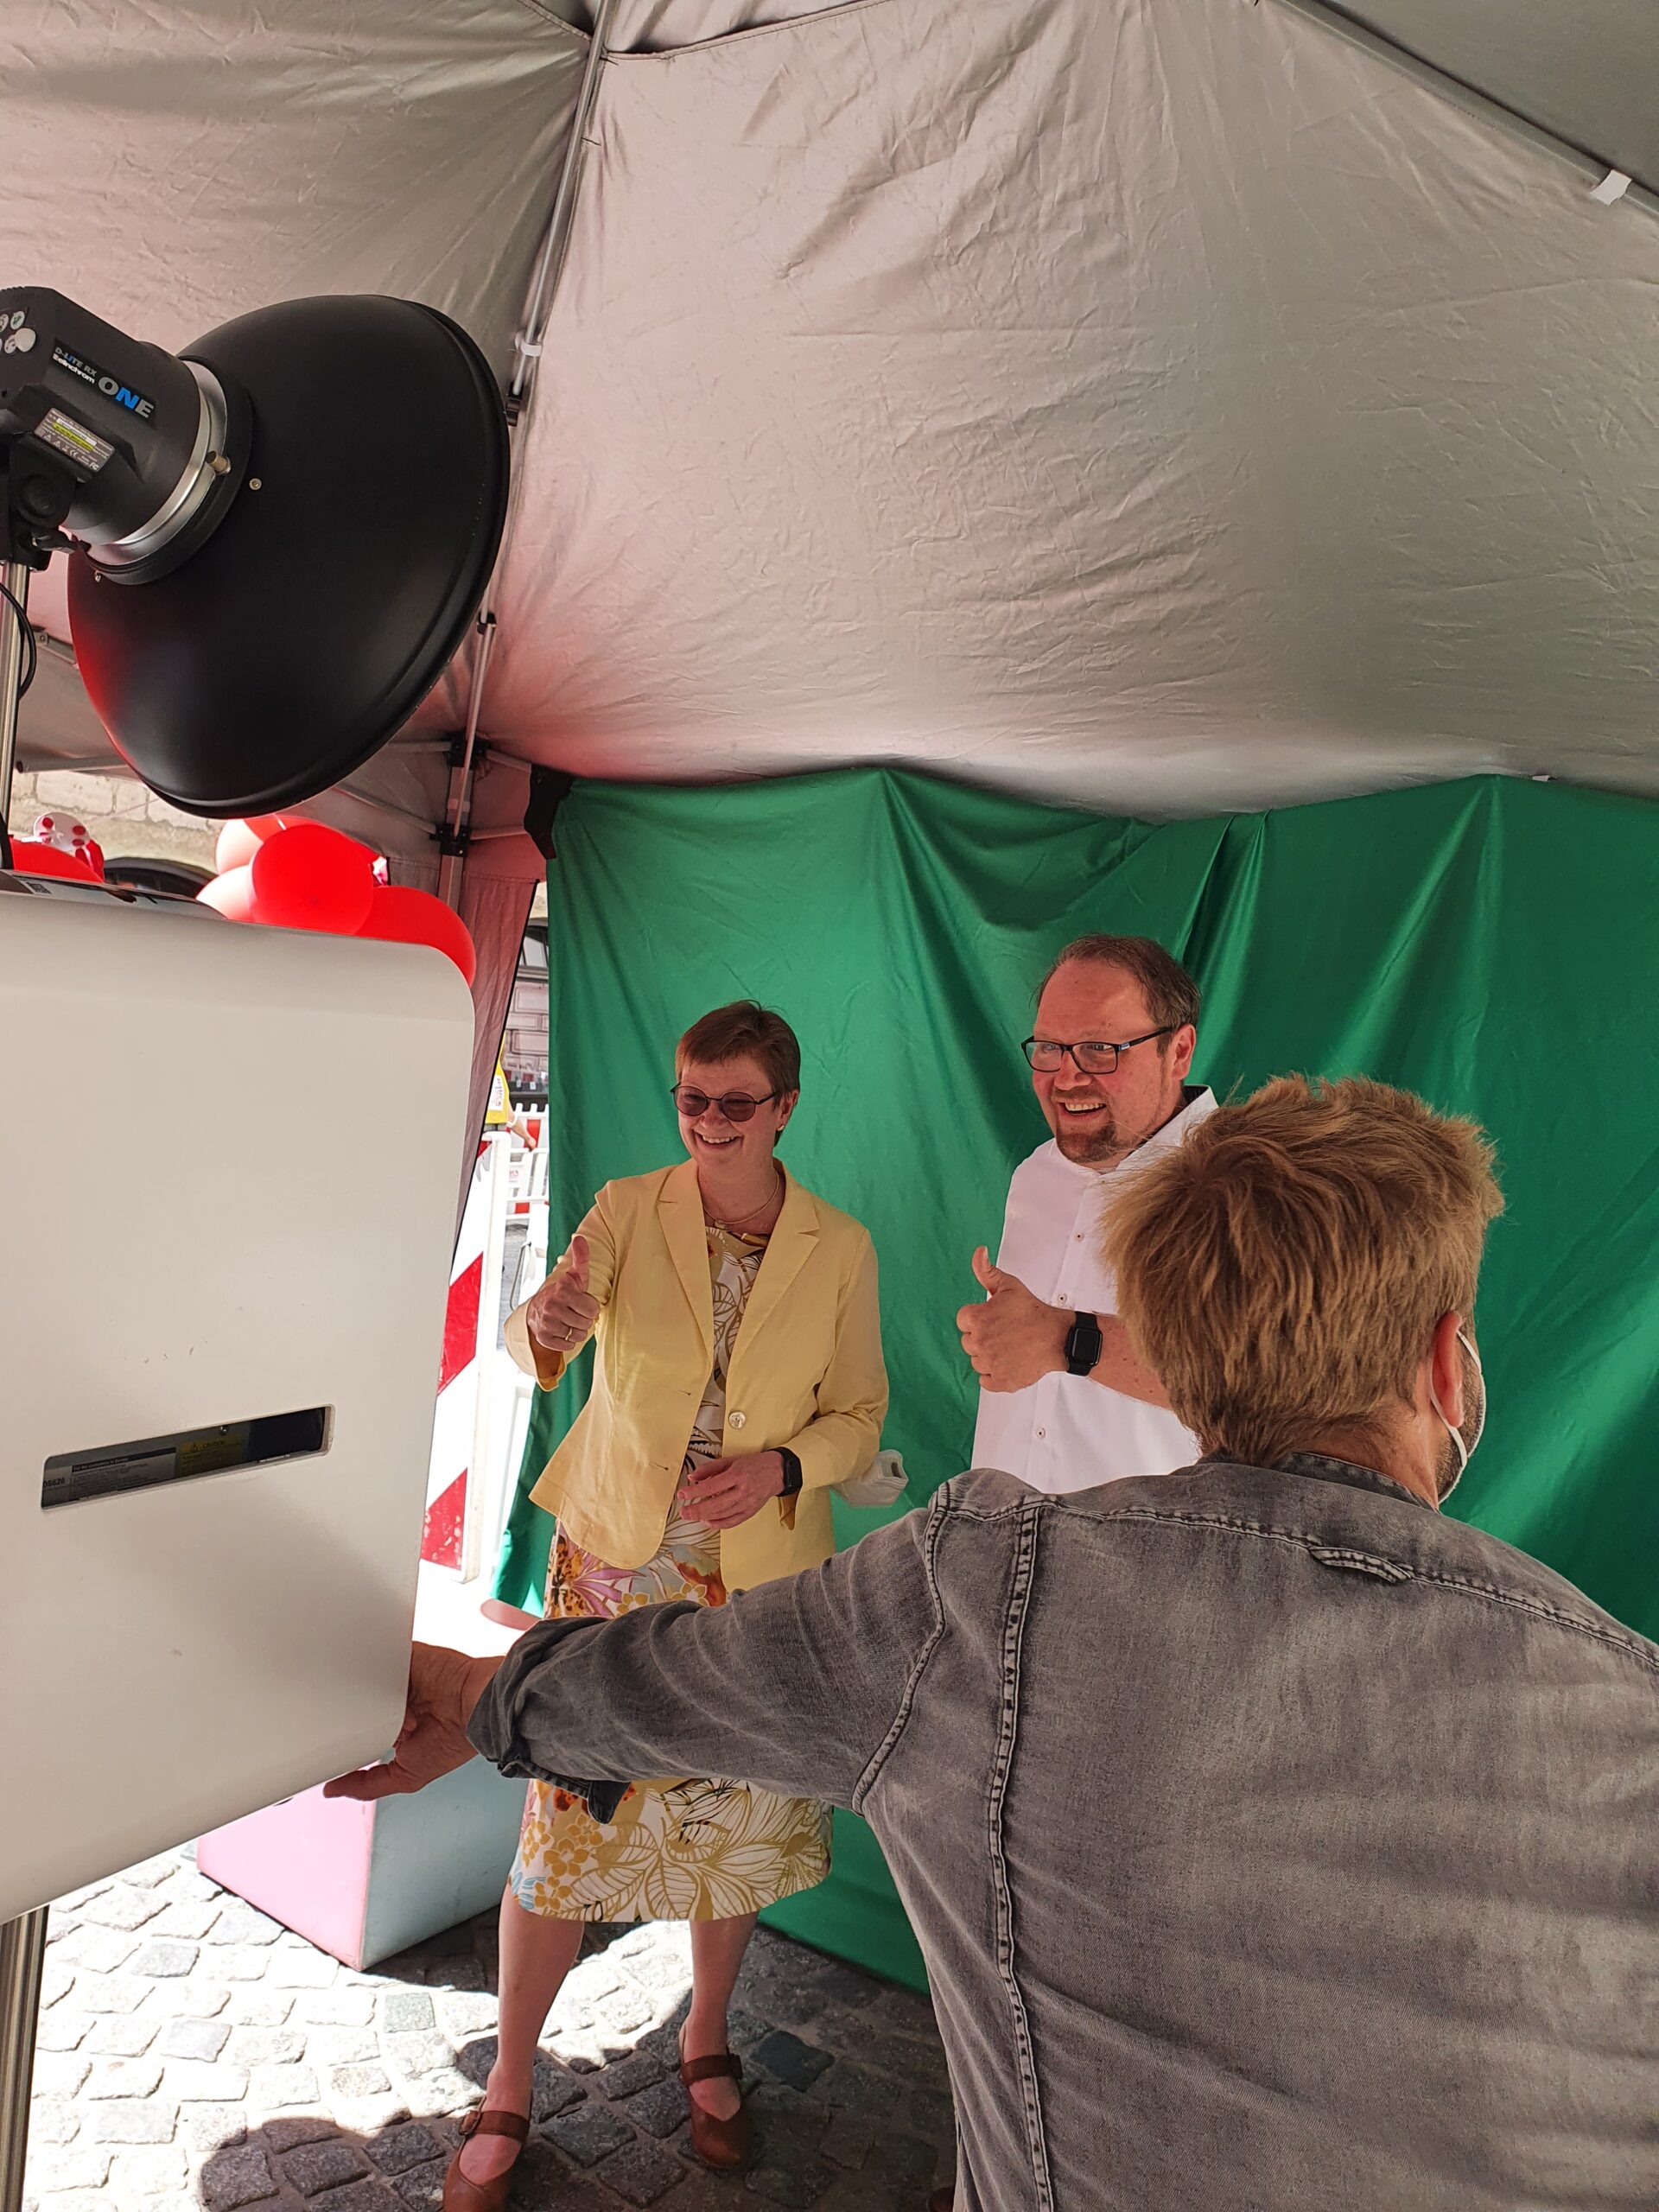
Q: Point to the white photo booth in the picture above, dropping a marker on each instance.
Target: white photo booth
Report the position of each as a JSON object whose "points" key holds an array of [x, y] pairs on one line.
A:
{"points": [[213, 1463]]}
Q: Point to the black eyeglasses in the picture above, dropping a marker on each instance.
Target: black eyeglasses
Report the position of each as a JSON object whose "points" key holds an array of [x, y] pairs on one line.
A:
{"points": [[736, 1106], [1091, 1058]]}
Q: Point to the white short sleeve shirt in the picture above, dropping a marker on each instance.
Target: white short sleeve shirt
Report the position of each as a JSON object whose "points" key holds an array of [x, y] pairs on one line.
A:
{"points": [[1068, 1432]]}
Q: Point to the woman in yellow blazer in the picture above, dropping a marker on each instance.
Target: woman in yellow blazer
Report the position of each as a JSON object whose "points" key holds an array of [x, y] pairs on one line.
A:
{"points": [[738, 1378]]}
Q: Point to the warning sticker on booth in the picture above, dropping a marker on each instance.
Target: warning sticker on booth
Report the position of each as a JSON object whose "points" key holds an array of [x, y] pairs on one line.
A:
{"points": [[205, 1454], [73, 440]]}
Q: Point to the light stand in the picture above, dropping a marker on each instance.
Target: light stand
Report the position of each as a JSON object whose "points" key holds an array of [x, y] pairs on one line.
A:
{"points": [[22, 1960], [35, 494], [14, 574], [23, 1941], [33, 502]]}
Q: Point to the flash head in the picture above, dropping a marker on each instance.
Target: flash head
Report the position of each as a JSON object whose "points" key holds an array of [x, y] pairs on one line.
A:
{"points": [[311, 497], [133, 453]]}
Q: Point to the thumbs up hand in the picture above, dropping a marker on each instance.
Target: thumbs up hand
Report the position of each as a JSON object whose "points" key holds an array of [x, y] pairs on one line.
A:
{"points": [[1011, 1339], [562, 1313]]}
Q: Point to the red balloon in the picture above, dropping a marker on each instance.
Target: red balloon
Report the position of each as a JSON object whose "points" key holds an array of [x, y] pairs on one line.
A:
{"points": [[310, 877], [408, 917], [239, 841], [229, 895], [29, 859]]}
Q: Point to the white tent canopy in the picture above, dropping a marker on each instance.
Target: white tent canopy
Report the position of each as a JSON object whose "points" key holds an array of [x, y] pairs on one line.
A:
{"points": [[1163, 405]]}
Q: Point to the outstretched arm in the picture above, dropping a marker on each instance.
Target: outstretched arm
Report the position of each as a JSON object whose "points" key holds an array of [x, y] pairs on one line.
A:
{"points": [[797, 1686]]}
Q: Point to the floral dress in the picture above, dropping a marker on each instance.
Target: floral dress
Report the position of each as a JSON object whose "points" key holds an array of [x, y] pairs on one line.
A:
{"points": [[679, 1848]]}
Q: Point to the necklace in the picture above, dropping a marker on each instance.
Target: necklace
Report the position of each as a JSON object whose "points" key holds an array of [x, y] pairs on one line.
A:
{"points": [[737, 1220]]}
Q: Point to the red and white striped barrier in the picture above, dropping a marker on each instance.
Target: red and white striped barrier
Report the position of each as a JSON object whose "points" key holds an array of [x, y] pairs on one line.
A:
{"points": [[528, 1174], [469, 1330]]}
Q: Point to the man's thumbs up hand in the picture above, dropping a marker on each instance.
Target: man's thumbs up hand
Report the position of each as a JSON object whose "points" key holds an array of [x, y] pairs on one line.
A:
{"points": [[562, 1313], [1011, 1338]]}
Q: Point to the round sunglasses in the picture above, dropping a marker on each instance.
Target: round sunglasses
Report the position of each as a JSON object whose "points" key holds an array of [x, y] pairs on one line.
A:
{"points": [[735, 1106]]}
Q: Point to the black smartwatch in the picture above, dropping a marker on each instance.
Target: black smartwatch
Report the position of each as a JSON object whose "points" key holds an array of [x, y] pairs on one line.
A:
{"points": [[792, 1469], [1083, 1343]]}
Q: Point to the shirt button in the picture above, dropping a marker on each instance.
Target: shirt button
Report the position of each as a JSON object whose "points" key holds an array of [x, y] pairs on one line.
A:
{"points": [[1042, 1432], [1063, 1300], [1078, 1239], [736, 1420]]}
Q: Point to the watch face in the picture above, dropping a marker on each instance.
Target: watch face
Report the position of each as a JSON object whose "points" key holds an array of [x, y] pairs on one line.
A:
{"points": [[1083, 1345]]}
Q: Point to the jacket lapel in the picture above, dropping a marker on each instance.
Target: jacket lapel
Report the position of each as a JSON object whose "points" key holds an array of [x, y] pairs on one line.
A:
{"points": [[679, 1207], [787, 1251]]}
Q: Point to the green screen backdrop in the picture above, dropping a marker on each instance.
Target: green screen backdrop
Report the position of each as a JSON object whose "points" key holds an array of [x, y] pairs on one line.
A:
{"points": [[1491, 944]]}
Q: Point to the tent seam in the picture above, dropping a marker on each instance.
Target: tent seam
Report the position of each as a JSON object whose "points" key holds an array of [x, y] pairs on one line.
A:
{"points": [[547, 16], [753, 31]]}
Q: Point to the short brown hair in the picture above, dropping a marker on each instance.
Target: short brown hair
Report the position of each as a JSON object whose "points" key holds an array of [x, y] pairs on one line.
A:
{"points": [[1170, 993], [1282, 1270], [746, 1026]]}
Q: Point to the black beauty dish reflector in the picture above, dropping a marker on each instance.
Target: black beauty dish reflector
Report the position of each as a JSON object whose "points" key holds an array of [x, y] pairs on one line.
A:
{"points": [[280, 535]]}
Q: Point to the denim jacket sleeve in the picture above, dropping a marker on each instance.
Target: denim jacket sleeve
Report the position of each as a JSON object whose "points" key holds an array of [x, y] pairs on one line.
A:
{"points": [[800, 1686]]}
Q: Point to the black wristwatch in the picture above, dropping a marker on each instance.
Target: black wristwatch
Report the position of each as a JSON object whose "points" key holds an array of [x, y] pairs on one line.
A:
{"points": [[1083, 1343], [791, 1471]]}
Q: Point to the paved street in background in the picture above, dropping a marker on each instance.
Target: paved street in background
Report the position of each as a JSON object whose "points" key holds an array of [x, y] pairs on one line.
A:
{"points": [[195, 2054]]}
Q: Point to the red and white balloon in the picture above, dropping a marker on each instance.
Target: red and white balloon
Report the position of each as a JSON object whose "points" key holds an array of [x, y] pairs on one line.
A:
{"points": [[59, 847], [304, 875]]}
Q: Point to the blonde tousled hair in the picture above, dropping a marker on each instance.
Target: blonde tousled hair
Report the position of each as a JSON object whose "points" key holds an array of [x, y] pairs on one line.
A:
{"points": [[1282, 1270]]}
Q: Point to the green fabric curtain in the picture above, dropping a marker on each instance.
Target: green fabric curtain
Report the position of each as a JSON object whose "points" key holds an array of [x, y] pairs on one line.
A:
{"points": [[1491, 944]]}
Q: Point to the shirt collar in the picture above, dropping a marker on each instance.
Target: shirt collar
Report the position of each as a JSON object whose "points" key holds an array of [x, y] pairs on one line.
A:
{"points": [[1197, 1101], [1323, 1468]]}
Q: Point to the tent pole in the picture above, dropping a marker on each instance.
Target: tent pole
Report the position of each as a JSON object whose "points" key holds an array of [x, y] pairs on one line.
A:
{"points": [[527, 347], [1589, 166], [457, 805], [550, 264]]}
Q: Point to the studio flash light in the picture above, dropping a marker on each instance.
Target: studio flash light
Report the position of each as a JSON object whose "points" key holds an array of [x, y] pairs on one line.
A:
{"points": [[209, 1524], [279, 536]]}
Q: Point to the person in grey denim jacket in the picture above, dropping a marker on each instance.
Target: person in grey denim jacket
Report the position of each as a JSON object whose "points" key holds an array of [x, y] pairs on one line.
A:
{"points": [[1276, 1843]]}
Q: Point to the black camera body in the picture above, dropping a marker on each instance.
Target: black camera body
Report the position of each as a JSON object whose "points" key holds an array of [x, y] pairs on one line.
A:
{"points": [[131, 452]]}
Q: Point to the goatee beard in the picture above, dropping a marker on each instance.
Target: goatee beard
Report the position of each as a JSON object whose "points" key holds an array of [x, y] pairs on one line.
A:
{"points": [[1087, 1149]]}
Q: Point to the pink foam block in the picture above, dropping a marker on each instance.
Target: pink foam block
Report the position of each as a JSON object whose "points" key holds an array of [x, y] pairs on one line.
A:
{"points": [[306, 1862]]}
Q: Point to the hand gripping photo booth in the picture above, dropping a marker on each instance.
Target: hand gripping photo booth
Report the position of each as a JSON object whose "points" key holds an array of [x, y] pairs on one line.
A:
{"points": [[220, 1340]]}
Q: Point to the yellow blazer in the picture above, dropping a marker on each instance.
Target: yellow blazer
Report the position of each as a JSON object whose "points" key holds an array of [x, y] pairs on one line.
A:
{"points": [[806, 1370]]}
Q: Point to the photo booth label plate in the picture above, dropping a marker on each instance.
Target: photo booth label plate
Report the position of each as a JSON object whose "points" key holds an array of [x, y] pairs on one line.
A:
{"points": [[116, 1469]]}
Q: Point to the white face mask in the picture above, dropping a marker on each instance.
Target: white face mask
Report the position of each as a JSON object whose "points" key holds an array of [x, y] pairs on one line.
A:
{"points": [[1463, 1447]]}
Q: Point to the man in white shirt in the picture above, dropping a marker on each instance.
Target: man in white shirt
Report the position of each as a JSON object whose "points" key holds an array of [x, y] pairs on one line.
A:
{"points": [[1064, 1403]]}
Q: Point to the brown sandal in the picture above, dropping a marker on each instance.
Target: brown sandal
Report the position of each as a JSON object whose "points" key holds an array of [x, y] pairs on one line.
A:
{"points": [[724, 2143], [460, 2192]]}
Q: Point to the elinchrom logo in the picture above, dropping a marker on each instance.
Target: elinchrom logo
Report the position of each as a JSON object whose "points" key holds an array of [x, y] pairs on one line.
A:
{"points": [[110, 387]]}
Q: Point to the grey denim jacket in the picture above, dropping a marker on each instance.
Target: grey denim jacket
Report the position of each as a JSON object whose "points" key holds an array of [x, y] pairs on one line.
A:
{"points": [[1275, 1844]]}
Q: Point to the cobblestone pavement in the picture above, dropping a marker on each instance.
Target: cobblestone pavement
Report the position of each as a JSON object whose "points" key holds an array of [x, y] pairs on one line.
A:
{"points": [[192, 2053]]}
